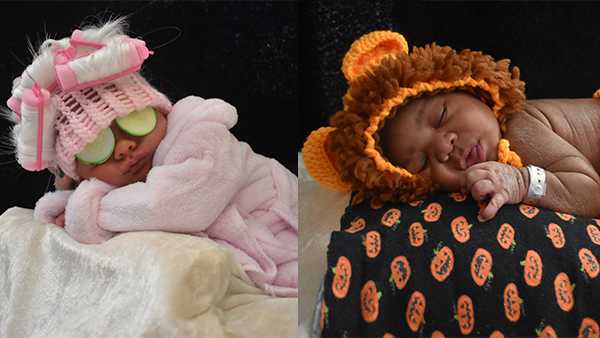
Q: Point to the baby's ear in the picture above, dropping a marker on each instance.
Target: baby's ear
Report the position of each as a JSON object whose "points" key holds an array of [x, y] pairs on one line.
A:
{"points": [[369, 50]]}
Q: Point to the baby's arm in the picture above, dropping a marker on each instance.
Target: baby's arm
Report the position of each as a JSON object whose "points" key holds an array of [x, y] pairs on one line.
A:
{"points": [[558, 136], [50, 208], [185, 197], [204, 165], [564, 132]]}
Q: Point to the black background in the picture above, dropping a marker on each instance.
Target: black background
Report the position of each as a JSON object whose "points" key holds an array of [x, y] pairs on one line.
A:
{"points": [[279, 62], [555, 44], [243, 52]]}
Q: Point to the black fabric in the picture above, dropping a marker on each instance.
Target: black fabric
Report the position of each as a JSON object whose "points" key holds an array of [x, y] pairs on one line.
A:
{"points": [[342, 317]]}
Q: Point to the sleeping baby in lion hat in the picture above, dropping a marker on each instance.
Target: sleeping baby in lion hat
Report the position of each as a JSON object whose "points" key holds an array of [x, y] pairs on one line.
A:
{"points": [[438, 120]]}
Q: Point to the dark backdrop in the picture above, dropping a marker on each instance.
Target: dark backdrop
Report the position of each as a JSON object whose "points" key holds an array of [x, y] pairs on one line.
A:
{"points": [[556, 45], [242, 52]]}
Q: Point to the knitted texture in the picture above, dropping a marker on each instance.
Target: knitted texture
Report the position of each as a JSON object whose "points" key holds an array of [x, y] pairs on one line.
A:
{"points": [[507, 156], [82, 114], [370, 49], [318, 164]]}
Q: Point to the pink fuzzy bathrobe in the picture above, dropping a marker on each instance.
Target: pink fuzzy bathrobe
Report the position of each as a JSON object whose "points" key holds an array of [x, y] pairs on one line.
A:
{"points": [[203, 182]]}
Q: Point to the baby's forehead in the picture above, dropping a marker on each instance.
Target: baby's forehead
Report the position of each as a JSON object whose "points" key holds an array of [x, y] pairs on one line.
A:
{"points": [[421, 104]]}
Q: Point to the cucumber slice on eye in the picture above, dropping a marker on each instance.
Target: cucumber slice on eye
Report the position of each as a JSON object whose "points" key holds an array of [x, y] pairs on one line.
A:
{"points": [[98, 151], [138, 122]]}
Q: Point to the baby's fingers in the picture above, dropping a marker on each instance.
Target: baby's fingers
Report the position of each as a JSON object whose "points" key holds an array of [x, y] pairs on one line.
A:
{"points": [[60, 220], [482, 189], [472, 176], [497, 201]]}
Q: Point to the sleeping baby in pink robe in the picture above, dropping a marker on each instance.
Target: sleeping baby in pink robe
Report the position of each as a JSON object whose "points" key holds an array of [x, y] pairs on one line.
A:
{"points": [[203, 182], [83, 109]]}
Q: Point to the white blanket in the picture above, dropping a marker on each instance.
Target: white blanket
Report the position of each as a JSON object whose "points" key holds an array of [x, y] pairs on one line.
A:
{"points": [[320, 212], [149, 284]]}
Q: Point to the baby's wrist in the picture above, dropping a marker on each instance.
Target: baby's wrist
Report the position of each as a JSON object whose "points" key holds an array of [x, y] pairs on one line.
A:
{"points": [[523, 179]]}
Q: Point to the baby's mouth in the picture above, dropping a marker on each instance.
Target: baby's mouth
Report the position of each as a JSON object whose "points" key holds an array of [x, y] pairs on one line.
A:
{"points": [[476, 155], [140, 164]]}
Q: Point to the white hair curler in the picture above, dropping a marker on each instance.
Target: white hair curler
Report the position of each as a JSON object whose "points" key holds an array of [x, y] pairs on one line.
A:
{"points": [[35, 134], [85, 59], [88, 63]]}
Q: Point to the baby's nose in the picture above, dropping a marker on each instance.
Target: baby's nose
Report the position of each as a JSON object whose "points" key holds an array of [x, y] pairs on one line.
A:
{"points": [[446, 147], [124, 148]]}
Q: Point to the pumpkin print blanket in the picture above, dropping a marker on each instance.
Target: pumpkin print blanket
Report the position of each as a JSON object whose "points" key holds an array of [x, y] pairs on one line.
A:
{"points": [[431, 269]]}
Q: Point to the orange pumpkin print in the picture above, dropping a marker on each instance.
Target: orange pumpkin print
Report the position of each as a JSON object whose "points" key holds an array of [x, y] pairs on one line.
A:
{"points": [[415, 311], [506, 236], [400, 272], [496, 334], [589, 263], [564, 292], [512, 302], [442, 263], [556, 235], [533, 268], [547, 332], [458, 197], [460, 229], [594, 233], [416, 234], [433, 212], [391, 217], [589, 328], [324, 312], [372, 244], [341, 278], [369, 302], [481, 266], [565, 217], [465, 314], [356, 225], [437, 334], [528, 210]]}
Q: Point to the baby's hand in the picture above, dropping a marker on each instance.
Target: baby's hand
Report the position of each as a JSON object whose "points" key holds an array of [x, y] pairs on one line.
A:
{"points": [[63, 183], [60, 220], [500, 183]]}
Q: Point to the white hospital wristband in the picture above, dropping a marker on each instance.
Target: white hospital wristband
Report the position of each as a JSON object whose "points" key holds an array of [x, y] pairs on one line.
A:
{"points": [[537, 183]]}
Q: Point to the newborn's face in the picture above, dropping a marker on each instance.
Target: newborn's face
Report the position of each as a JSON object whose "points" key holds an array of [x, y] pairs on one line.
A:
{"points": [[440, 136], [131, 159]]}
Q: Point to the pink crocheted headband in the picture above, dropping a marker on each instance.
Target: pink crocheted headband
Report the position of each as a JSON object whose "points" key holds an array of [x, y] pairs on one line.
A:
{"points": [[74, 89]]}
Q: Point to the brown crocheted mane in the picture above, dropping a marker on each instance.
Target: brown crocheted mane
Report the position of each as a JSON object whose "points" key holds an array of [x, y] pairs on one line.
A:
{"points": [[368, 92]]}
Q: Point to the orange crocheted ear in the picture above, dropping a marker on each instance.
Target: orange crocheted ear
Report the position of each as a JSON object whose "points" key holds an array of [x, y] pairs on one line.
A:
{"points": [[370, 49], [597, 94], [319, 162]]}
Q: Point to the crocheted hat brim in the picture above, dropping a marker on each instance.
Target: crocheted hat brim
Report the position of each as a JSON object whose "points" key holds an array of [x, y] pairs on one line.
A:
{"points": [[319, 164]]}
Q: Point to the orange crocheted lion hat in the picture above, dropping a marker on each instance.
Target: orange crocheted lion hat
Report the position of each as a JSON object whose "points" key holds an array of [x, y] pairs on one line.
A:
{"points": [[381, 75]]}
